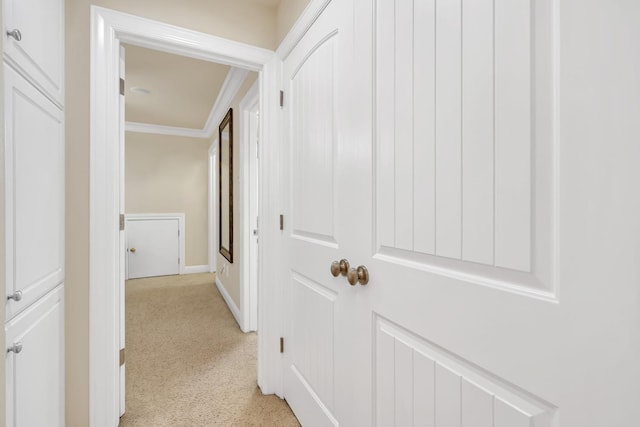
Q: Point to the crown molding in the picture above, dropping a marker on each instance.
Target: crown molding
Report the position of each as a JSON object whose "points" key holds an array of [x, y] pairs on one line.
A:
{"points": [[228, 91], [164, 130]]}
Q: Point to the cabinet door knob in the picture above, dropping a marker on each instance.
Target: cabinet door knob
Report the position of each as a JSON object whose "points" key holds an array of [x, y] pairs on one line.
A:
{"points": [[132, 250], [17, 296], [15, 348], [16, 34]]}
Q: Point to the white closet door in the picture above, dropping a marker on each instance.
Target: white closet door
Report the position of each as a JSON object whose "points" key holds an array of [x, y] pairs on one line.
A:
{"points": [[34, 199], [35, 366]]}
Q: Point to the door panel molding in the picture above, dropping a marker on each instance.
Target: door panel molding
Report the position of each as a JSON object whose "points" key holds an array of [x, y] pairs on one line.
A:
{"points": [[415, 379], [466, 140]]}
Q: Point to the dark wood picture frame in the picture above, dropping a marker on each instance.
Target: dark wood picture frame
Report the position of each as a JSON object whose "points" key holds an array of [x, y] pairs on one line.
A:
{"points": [[225, 248]]}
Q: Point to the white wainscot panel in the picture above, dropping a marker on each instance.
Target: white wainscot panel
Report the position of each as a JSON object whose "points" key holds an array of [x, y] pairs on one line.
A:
{"points": [[464, 174], [313, 145], [420, 384], [312, 327]]}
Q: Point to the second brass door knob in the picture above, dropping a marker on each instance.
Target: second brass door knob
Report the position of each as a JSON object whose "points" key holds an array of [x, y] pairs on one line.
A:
{"points": [[339, 267], [358, 275]]}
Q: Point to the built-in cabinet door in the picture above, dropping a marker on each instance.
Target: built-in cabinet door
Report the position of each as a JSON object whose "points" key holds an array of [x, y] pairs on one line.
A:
{"points": [[34, 42], [34, 362], [34, 191]]}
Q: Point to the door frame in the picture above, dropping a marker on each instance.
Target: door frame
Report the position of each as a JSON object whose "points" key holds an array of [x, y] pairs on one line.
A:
{"points": [[248, 288], [108, 29], [211, 195]]}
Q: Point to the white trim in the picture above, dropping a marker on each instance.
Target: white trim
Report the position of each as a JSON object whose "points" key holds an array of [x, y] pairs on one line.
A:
{"points": [[211, 212], [108, 29], [232, 305], [301, 26], [164, 130], [151, 216], [248, 305], [232, 84], [194, 269]]}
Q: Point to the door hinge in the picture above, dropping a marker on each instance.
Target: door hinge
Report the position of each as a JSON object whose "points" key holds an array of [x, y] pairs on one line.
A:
{"points": [[121, 222], [122, 87], [281, 98], [178, 260], [281, 345], [121, 356], [281, 222]]}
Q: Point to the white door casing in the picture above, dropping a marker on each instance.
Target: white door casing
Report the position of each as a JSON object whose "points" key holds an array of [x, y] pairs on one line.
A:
{"points": [[249, 133], [498, 226], [122, 236], [155, 245], [108, 29]]}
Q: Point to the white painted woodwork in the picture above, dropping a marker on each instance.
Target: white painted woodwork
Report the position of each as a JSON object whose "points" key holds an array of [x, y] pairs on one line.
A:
{"points": [[422, 384], [108, 29], [312, 97], [153, 247], [454, 150], [34, 192], [122, 236], [35, 376], [249, 140], [509, 297], [313, 80], [40, 53]]}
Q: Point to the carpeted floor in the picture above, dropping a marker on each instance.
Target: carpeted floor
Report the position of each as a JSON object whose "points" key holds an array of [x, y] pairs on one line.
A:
{"points": [[188, 363]]}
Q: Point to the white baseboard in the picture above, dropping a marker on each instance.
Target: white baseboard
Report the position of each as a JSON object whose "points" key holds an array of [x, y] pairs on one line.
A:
{"points": [[232, 305], [192, 269]]}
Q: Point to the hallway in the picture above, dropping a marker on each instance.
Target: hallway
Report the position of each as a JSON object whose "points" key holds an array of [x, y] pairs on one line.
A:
{"points": [[188, 363]]}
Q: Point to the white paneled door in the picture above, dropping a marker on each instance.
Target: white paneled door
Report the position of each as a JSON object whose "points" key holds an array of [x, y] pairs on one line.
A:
{"points": [[153, 247], [427, 142]]}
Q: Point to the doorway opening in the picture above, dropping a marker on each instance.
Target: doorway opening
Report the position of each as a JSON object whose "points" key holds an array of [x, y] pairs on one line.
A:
{"points": [[109, 30]]}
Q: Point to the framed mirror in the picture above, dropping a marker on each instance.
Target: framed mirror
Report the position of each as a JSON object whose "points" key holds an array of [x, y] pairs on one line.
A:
{"points": [[225, 186]]}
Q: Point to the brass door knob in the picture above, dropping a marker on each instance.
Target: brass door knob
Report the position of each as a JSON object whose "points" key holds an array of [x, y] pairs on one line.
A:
{"points": [[132, 250], [340, 267], [358, 275]]}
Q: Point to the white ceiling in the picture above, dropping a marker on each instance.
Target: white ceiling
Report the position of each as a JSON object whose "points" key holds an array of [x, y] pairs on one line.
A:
{"points": [[183, 90]]}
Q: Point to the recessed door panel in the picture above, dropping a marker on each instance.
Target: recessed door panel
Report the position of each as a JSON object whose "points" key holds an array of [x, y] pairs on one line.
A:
{"points": [[458, 160], [34, 199], [313, 139]]}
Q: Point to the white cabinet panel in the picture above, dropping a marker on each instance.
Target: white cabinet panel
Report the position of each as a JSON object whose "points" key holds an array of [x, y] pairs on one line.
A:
{"points": [[35, 375], [34, 191], [40, 52]]}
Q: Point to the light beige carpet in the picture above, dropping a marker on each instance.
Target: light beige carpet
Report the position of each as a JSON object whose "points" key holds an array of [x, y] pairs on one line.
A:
{"points": [[188, 363]]}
